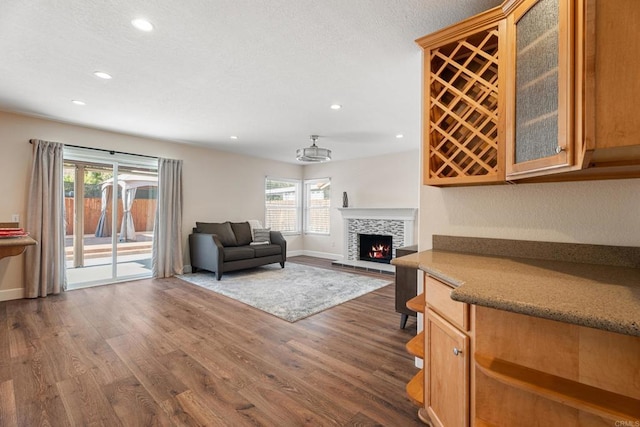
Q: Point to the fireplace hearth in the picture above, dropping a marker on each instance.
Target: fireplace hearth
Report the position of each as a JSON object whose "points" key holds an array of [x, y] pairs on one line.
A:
{"points": [[375, 248]]}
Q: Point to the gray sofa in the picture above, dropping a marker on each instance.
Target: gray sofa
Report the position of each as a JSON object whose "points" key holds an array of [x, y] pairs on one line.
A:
{"points": [[229, 246]]}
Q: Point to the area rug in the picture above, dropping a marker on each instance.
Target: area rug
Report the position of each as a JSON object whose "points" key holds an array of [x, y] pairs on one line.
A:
{"points": [[291, 293]]}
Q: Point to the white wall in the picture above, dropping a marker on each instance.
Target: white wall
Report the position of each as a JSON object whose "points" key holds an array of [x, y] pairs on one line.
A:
{"points": [[390, 181], [595, 212], [218, 186]]}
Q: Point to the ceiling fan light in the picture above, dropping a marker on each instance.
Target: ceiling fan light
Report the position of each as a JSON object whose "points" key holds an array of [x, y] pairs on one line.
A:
{"points": [[314, 153]]}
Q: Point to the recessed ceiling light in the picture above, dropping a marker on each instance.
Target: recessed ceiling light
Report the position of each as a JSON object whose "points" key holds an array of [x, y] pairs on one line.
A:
{"points": [[336, 106], [142, 24], [78, 102], [233, 137], [399, 136], [102, 75]]}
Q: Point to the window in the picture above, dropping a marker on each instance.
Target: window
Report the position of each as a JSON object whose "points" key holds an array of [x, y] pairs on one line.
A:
{"points": [[283, 205], [317, 193]]}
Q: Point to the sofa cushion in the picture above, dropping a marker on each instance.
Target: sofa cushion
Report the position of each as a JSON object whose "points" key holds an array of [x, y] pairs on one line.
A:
{"points": [[266, 250], [238, 253], [262, 235], [242, 230], [222, 230]]}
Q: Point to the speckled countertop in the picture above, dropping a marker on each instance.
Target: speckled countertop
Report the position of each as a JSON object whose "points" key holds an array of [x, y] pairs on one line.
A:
{"points": [[597, 296]]}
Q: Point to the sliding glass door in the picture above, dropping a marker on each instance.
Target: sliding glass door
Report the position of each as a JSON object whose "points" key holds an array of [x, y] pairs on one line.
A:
{"points": [[110, 206]]}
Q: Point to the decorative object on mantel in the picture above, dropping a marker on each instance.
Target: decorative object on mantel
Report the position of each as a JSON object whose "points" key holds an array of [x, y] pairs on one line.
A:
{"points": [[313, 153], [345, 200]]}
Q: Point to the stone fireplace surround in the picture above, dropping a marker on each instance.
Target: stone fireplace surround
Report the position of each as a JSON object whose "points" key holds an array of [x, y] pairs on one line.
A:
{"points": [[396, 222]]}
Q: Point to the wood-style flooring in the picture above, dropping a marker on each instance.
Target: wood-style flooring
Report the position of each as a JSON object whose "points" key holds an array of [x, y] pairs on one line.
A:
{"points": [[165, 352]]}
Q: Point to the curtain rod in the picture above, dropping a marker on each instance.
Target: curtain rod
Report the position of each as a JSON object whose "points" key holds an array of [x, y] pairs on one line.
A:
{"points": [[112, 152]]}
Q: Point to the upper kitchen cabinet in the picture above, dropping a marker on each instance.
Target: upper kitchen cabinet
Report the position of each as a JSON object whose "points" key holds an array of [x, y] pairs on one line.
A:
{"points": [[463, 130], [571, 89], [539, 86], [533, 91]]}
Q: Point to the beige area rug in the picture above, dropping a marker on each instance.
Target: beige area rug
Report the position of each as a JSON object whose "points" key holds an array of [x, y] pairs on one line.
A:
{"points": [[291, 293]]}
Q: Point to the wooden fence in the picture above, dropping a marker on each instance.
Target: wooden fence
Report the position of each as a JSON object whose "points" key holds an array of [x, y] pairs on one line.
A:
{"points": [[143, 211]]}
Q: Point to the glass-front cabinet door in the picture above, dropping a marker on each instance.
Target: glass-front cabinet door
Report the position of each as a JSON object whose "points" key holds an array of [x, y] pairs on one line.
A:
{"points": [[539, 125]]}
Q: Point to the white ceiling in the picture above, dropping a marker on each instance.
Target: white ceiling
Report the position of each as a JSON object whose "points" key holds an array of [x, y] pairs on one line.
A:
{"points": [[264, 70]]}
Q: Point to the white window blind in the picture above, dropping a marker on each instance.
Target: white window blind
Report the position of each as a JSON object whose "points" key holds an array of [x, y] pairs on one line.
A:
{"points": [[283, 204], [317, 206]]}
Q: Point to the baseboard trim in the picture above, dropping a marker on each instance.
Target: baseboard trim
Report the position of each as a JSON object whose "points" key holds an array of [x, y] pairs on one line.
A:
{"points": [[11, 294], [325, 255]]}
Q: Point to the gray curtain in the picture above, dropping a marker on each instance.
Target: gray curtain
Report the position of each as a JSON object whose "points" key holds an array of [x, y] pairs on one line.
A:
{"points": [[167, 230], [103, 229], [44, 262], [127, 229]]}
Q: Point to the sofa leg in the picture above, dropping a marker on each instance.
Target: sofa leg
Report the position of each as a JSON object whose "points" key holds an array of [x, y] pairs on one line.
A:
{"points": [[218, 275], [282, 264]]}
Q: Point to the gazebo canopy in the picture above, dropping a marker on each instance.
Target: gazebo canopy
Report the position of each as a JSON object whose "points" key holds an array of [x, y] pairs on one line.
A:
{"points": [[129, 184], [127, 181]]}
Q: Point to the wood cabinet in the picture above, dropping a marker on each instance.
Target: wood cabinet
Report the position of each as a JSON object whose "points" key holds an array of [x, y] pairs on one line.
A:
{"points": [[569, 102], [447, 372], [447, 350], [540, 86], [533, 91], [554, 373], [463, 129]]}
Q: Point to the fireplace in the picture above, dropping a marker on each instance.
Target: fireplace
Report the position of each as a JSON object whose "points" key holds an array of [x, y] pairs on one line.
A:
{"points": [[375, 247], [399, 223]]}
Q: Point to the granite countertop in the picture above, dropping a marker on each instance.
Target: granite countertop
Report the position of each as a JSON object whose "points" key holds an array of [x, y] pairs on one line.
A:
{"points": [[597, 296]]}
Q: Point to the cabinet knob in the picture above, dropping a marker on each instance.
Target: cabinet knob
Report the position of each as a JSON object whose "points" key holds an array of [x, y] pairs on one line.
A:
{"points": [[560, 149], [456, 351]]}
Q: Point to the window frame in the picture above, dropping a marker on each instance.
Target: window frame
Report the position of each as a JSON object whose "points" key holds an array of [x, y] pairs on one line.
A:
{"points": [[298, 205], [308, 208]]}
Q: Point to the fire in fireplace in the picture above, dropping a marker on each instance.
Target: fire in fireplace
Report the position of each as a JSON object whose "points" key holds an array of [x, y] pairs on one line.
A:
{"points": [[375, 247]]}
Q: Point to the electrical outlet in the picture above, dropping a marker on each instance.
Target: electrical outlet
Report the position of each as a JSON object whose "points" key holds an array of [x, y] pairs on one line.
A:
{"points": [[15, 218]]}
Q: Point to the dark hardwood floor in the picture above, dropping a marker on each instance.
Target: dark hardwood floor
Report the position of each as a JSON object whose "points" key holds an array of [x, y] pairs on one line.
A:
{"points": [[165, 352]]}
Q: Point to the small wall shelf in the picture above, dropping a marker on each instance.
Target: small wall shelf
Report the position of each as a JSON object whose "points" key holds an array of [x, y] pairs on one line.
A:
{"points": [[15, 246]]}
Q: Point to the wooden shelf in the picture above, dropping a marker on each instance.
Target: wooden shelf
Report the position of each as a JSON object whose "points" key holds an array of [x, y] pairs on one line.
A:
{"points": [[15, 246], [417, 303], [415, 347], [415, 388], [602, 403]]}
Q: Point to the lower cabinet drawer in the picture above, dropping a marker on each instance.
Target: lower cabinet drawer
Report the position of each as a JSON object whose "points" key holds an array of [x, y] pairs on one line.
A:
{"points": [[438, 298]]}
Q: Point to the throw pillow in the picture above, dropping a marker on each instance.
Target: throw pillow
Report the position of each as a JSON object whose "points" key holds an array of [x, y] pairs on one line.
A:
{"points": [[254, 223], [242, 230], [262, 235], [222, 230]]}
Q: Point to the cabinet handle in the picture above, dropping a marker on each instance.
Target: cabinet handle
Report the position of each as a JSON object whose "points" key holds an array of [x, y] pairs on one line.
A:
{"points": [[456, 351], [560, 149]]}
